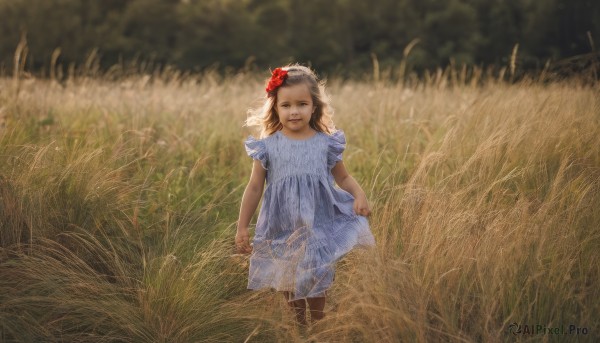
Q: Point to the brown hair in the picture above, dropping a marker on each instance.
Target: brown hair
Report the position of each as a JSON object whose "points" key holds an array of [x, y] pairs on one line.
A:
{"points": [[266, 117]]}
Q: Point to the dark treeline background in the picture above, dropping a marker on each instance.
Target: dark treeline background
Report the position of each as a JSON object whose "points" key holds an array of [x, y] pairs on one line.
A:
{"points": [[334, 36]]}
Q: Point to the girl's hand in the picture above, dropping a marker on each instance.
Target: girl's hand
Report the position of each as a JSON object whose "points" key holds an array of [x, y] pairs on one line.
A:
{"points": [[242, 241], [361, 206]]}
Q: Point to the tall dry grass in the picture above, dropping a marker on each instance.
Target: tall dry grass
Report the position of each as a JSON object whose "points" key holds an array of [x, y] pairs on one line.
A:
{"points": [[118, 202]]}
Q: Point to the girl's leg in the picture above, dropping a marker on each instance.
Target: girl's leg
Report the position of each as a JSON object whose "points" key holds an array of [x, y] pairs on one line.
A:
{"points": [[299, 307], [317, 305]]}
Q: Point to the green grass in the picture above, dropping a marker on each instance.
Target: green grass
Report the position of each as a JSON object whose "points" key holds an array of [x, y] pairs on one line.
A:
{"points": [[118, 203]]}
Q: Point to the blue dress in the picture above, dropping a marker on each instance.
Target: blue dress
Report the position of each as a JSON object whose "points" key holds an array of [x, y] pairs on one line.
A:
{"points": [[305, 223]]}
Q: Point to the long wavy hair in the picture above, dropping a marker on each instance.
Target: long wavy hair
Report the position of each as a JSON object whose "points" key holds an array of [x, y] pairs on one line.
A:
{"points": [[266, 117]]}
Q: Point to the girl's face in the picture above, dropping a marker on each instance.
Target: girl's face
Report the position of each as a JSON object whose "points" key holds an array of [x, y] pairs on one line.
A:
{"points": [[295, 108]]}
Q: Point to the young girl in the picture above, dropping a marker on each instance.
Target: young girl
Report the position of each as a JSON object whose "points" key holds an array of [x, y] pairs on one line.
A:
{"points": [[305, 223]]}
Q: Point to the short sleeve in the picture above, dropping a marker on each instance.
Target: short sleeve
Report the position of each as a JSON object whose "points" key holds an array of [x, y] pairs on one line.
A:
{"points": [[337, 144], [257, 150]]}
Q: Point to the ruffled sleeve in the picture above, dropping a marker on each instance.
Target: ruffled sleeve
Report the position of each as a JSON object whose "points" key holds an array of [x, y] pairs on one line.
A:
{"points": [[337, 144], [257, 150]]}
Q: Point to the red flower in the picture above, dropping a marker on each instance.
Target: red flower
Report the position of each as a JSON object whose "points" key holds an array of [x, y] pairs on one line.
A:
{"points": [[277, 77]]}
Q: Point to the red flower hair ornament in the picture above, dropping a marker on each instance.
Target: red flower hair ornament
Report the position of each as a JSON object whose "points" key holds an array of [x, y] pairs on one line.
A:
{"points": [[277, 77]]}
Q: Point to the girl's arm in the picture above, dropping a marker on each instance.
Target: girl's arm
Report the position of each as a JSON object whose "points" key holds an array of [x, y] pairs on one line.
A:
{"points": [[250, 200], [347, 183]]}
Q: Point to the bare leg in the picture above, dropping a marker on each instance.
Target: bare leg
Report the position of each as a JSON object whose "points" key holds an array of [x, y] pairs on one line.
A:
{"points": [[299, 307], [317, 305]]}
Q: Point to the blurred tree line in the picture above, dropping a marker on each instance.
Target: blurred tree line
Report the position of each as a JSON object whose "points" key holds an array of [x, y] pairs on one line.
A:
{"points": [[333, 36]]}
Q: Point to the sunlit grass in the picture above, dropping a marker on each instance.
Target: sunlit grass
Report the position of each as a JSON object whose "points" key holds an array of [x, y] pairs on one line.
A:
{"points": [[118, 202]]}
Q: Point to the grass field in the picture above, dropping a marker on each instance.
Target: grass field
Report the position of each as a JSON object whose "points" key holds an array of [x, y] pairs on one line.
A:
{"points": [[118, 203]]}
